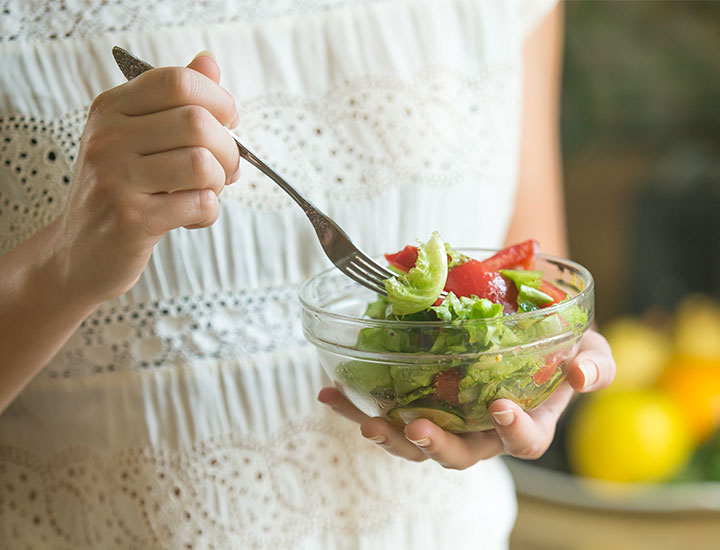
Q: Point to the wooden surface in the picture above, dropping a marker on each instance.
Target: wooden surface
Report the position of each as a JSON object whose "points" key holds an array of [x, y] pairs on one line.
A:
{"points": [[545, 526]]}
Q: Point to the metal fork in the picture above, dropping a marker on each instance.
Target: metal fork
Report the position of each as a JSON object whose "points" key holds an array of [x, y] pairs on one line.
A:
{"points": [[347, 257]]}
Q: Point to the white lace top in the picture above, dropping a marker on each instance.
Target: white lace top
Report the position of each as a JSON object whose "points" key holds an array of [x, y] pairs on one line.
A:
{"points": [[183, 414]]}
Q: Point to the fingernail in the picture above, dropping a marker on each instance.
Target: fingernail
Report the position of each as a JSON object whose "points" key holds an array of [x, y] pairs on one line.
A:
{"points": [[590, 372], [379, 438], [424, 442], [504, 418], [205, 53]]}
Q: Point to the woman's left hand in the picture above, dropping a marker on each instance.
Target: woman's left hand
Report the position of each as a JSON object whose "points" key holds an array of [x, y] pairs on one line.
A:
{"points": [[518, 433]]}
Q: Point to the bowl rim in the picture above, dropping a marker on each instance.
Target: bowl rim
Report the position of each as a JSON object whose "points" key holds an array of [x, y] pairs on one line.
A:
{"points": [[562, 263]]}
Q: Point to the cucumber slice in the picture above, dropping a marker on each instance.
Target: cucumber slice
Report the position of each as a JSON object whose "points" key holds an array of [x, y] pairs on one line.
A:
{"points": [[447, 420]]}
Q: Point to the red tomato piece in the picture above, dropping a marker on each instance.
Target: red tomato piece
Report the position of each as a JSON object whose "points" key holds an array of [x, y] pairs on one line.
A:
{"points": [[517, 256], [447, 386], [554, 292], [403, 260], [464, 279], [481, 278], [552, 362], [470, 279]]}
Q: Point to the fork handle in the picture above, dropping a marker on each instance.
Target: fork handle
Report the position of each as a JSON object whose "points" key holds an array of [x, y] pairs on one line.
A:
{"points": [[257, 162], [132, 67]]}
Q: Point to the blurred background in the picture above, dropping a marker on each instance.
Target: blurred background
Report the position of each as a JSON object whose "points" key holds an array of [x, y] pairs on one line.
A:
{"points": [[641, 137], [638, 465]]}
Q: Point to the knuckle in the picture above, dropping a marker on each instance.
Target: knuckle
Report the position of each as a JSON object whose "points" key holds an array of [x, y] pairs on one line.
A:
{"points": [[203, 163], [417, 458], [531, 451], [180, 83], [207, 208], [197, 120], [98, 150], [92, 148], [129, 216], [100, 104], [460, 466]]}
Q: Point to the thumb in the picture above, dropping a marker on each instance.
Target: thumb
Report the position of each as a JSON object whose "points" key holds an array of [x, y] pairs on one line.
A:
{"points": [[204, 63]]}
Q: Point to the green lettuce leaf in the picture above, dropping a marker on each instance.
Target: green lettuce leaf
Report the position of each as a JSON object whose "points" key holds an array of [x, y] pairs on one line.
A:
{"points": [[530, 299], [523, 277], [456, 258], [378, 309], [365, 376], [422, 285]]}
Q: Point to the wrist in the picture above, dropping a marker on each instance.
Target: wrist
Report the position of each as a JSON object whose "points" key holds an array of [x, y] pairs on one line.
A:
{"points": [[51, 279], [37, 314]]}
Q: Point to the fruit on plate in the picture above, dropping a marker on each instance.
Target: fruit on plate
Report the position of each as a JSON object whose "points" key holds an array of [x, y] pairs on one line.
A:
{"points": [[640, 352], [697, 328], [628, 436], [695, 384]]}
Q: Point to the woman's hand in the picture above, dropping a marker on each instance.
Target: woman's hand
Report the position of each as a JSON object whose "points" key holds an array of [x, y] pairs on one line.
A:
{"points": [[519, 433], [153, 157]]}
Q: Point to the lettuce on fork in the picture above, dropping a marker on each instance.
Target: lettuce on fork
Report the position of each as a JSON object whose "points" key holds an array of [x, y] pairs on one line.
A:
{"points": [[422, 285]]}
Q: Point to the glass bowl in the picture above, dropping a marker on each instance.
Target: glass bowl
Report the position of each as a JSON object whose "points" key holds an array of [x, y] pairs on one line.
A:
{"points": [[523, 357]]}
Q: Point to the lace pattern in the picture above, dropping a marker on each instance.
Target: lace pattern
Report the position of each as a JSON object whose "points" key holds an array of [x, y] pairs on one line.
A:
{"points": [[180, 331], [353, 143], [376, 132], [37, 155], [26, 20], [231, 491]]}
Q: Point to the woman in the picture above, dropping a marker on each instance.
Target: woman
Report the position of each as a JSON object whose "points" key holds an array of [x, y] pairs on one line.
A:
{"points": [[157, 390]]}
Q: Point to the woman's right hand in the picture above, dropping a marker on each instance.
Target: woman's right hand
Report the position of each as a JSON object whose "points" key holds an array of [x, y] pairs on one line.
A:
{"points": [[153, 157]]}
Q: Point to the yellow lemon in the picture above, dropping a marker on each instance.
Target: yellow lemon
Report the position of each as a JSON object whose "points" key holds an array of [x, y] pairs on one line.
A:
{"points": [[640, 352], [628, 436]]}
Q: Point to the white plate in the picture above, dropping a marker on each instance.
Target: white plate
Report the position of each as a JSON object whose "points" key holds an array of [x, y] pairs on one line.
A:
{"points": [[538, 482]]}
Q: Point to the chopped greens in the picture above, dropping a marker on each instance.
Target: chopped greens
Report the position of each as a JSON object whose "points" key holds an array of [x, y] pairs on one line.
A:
{"points": [[472, 327]]}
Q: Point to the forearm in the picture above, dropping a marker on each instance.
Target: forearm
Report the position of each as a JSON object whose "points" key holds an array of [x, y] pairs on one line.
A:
{"points": [[37, 316], [539, 209]]}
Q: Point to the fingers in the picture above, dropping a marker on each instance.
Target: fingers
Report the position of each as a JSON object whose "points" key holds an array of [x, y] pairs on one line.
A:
{"points": [[186, 126], [594, 367], [205, 64], [169, 87], [192, 209], [391, 438], [520, 435], [451, 450], [377, 430], [528, 434], [341, 404], [177, 170]]}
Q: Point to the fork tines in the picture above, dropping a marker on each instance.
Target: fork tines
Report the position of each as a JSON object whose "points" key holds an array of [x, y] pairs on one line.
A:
{"points": [[368, 273], [365, 271]]}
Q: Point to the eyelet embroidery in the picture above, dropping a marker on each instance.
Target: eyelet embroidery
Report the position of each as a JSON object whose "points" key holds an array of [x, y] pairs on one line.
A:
{"points": [[180, 331], [38, 156], [353, 143], [26, 20], [374, 132], [236, 490]]}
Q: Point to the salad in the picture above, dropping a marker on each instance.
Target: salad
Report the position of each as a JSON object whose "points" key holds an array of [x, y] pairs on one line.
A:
{"points": [[453, 312]]}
